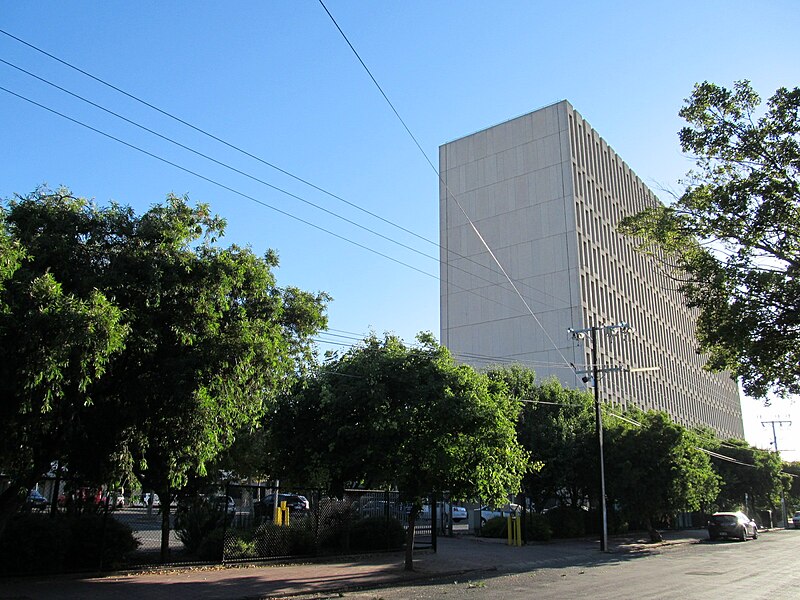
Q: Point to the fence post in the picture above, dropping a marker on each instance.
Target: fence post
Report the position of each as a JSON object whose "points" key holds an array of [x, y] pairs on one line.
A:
{"points": [[225, 519], [434, 527], [103, 535]]}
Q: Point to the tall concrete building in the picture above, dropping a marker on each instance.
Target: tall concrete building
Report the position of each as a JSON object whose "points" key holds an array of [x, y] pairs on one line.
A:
{"points": [[543, 194]]}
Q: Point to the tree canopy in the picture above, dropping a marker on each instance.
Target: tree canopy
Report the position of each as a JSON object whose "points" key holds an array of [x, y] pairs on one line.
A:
{"points": [[386, 414], [164, 344], [655, 468], [757, 485], [557, 427], [733, 237]]}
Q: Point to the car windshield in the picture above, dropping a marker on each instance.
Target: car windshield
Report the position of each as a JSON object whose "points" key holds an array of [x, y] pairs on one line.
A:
{"points": [[723, 519]]}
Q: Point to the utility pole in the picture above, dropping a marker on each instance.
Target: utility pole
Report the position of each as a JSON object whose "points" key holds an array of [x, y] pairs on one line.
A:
{"points": [[775, 445], [580, 334]]}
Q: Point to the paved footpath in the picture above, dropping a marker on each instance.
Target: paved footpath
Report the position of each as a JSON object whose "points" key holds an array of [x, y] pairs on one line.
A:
{"points": [[457, 558]]}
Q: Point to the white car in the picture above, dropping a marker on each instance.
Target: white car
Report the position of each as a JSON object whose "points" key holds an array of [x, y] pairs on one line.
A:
{"points": [[487, 512], [443, 512], [796, 520]]}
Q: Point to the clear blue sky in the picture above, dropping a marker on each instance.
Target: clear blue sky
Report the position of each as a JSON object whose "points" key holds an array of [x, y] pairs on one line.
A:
{"points": [[276, 79]]}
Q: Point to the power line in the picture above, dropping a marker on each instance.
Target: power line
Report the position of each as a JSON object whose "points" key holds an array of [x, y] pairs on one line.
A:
{"points": [[448, 193], [255, 157], [244, 195], [217, 183], [218, 162]]}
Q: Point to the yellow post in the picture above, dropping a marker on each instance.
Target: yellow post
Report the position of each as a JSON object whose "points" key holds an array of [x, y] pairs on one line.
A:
{"points": [[285, 511], [514, 526]]}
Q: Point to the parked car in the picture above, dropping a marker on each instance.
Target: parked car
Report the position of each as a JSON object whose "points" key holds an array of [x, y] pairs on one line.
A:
{"points": [[225, 503], [443, 512], [35, 501], [487, 512], [796, 520], [367, 507], [298, 505], [732, 525]]}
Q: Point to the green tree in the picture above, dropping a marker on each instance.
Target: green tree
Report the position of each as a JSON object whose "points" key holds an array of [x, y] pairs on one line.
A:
{"points": [[53, 346], [210, 340], [752, 476], [733, 237], [792, 470], [405, 417], [557, 427], [655, 469]]}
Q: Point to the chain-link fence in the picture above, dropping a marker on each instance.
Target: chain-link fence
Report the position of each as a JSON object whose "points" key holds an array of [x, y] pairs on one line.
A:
{"points": [[67, 528], [312, 523]]}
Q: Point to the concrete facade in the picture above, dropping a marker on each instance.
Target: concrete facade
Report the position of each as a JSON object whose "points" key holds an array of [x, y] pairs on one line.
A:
{"points": [[545, 192]]}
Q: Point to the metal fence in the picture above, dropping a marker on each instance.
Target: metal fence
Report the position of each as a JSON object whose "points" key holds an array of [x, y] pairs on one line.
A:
{"points": [[233, 524], [312, 523]]}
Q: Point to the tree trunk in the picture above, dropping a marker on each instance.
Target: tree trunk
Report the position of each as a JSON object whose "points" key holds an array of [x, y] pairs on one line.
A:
{"points": [[165, 499], [655, 536], [412, 522]]}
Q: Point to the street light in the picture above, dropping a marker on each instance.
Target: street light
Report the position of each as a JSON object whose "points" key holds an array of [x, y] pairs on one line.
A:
{"points": [[580, 334]]}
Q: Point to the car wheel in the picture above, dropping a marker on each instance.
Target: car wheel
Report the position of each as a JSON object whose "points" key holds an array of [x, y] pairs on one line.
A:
{"points": [[755, 534], [743, 537]]}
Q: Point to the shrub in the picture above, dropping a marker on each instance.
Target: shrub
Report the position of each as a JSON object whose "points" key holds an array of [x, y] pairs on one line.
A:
{"points": [[336, 524], [496, 527], [238, 546], [377, 533], [537, 527], [93, 535], [211, 545], [195, 520], [35, 543], [272, 540], [566, 521]]}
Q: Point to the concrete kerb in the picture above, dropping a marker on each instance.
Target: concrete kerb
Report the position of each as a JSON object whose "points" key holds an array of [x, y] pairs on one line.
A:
{"points": [[462, 557]]}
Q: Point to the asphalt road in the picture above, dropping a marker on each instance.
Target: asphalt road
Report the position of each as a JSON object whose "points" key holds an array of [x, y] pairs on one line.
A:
{"points": [[764, 568]]}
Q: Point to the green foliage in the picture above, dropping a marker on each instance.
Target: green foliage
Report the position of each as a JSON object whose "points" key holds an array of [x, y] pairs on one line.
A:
{"points": [[294, 540], [537, 527], [793, 493], [557, 427], [567, 521], [386, 415], [55, 342], [211, 546], [92, 535], [496, 527], [34, 543], [195, 520], [761, 483], [376, 533], [102, 304], [655, 469], [411, 419], [732, 237], [239, 546]]}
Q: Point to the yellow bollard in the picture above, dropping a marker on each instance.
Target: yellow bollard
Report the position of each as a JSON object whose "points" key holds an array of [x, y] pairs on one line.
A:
{"points": [[285, 511], [514, 527]]}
